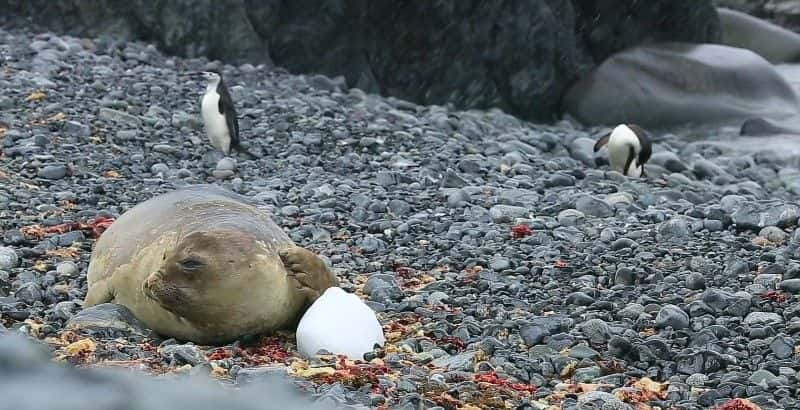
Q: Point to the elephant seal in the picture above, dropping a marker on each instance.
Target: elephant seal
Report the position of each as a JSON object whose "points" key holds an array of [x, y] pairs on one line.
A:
{"points": [[661, 85], [773, 42], [202, 264]]}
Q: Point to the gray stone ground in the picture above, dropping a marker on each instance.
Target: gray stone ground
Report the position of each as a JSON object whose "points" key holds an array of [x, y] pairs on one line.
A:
{"points": [[487, 245]]}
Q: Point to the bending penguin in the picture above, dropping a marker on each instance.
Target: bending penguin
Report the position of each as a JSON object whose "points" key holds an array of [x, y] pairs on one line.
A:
{"points": [[219, 115], [629, 148]]}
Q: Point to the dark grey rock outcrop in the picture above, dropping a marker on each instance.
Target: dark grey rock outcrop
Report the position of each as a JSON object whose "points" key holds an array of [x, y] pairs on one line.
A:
{"points": [[515, 55]]}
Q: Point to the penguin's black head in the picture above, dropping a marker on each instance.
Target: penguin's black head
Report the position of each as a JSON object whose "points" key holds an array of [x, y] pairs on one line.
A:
{"points": [[211, 76], [202, 75]]}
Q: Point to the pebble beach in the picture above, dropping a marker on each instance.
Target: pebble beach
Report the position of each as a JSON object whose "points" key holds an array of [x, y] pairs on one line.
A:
{"points": [[508, 265]]}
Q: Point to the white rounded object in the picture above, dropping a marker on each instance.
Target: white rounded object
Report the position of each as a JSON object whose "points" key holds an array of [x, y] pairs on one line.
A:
{"points": [[340, 323]]}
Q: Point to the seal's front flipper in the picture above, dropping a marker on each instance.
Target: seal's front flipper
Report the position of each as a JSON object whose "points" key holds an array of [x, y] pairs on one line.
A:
{"points": [[311, 273], [99, 292]]}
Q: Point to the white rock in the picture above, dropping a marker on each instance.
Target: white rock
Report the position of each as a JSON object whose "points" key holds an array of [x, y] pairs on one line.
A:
{"points": [[340, 323]]}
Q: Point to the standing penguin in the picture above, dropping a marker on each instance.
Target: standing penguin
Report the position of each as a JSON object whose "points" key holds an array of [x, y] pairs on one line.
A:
{"points": [[219, 115], [626, 143]]}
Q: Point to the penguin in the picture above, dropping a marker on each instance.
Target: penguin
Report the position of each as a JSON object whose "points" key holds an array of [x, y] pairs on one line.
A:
{"points": [[219, 115], [629, 148]]}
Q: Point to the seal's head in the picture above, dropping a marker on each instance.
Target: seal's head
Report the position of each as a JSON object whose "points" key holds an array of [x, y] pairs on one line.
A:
{"points": [[205, 278]]}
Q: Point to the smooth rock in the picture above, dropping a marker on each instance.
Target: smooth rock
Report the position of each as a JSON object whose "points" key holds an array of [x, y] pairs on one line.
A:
{"points": [[672, 316], [8, 258], [109, 320]]}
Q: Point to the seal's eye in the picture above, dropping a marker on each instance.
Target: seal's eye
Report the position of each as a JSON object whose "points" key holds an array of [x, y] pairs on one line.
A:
{"points": [[191, 264]]}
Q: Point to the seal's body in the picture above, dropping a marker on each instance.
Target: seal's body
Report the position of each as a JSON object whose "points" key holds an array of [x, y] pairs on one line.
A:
{"points": [[204, 265]]}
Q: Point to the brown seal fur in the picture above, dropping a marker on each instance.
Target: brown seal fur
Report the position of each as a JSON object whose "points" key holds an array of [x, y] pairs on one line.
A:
{"points": [[202, 264]]}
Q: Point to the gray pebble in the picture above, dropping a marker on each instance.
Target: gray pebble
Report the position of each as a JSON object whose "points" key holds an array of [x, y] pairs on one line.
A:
{"points": [[767, 280], [571, 217], [108, 318], [790, 285], [29, 293], [674, 230], [437, 298], [183, 354], [625, 276], [623, 243], [65, 310], [763, 318], [695, 281], [782, 347], [697, 380], [53, 172], [773, 234], [67, 268], [600, 400], [76, 129], [593, 207], [8, 258], [226, 164], [596, 330], [672, 316], [500, 264], [159, 169], [607, 235], [507, 213]]}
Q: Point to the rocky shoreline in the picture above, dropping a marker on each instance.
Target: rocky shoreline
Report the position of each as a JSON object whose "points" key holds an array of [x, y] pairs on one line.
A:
{"points": [[517, 56], [508, 269]]}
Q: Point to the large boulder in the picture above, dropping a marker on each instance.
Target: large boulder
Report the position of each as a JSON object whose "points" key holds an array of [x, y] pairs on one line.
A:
{"points": [[773, 42], [785, 13], [515, 55], [671, 84]]}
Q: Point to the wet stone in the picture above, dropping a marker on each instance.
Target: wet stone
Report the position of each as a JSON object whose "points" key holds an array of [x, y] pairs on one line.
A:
{"points": [[107, 320], [672, 316], [183, 354]]}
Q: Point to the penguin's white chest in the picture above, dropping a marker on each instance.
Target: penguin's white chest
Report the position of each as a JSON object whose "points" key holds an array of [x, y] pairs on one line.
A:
{"points": [[216, 126]]}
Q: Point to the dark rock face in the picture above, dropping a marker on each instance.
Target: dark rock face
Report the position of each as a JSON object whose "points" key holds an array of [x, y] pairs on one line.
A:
{"points": [[622, 24], [217, 29], [515, 55], [473, 53]]}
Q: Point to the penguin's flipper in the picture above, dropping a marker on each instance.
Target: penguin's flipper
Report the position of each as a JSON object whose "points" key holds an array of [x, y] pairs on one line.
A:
{"points": [[602, 141], [226, 108]]}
